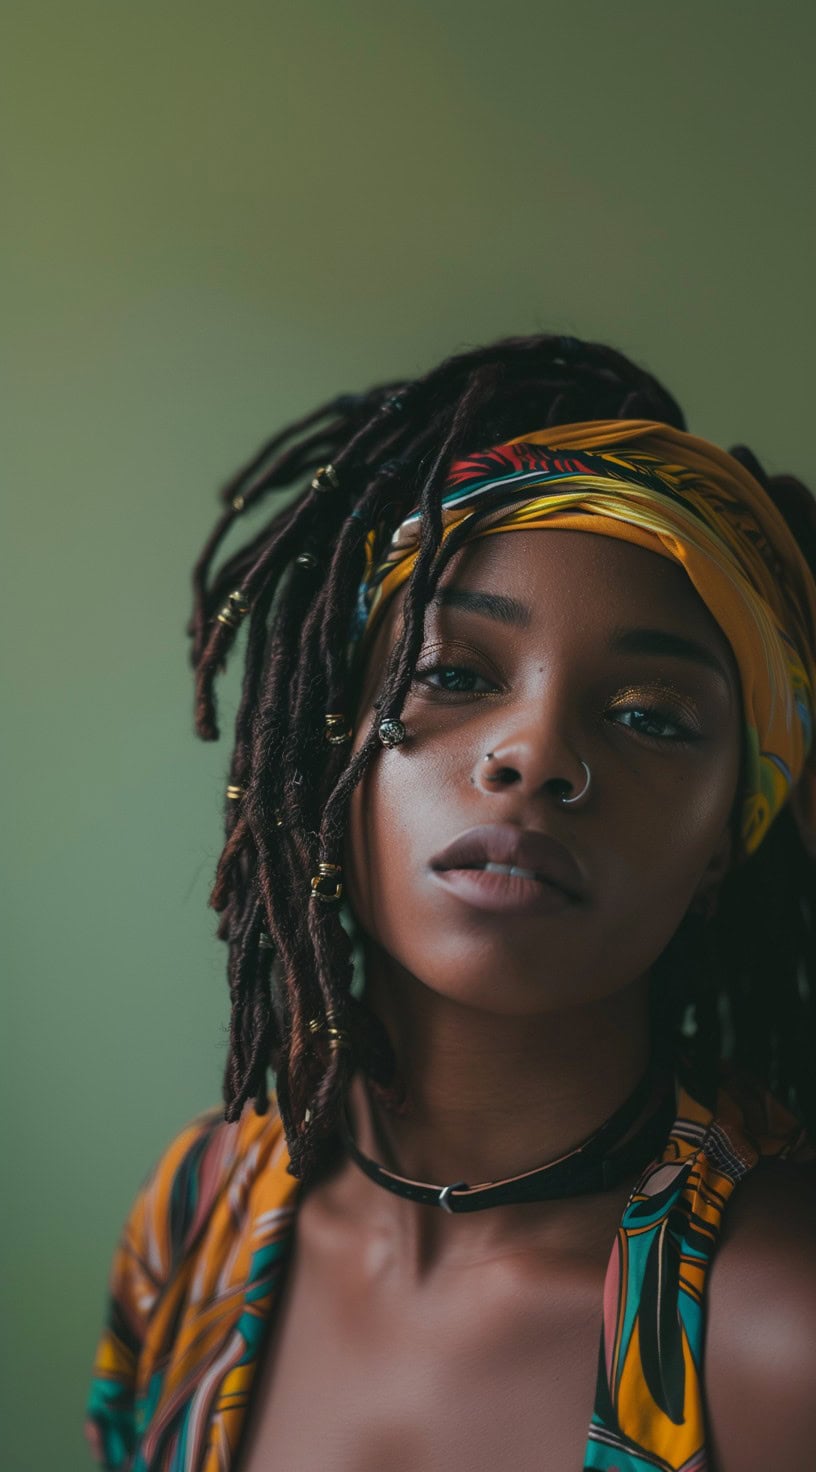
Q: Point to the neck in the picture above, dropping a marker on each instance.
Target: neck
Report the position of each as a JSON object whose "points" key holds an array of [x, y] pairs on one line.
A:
{"points": [[488, 1097]]}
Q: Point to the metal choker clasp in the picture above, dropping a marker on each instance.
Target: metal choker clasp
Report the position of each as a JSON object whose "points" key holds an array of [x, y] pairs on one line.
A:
{"points": [[444, 1194]]}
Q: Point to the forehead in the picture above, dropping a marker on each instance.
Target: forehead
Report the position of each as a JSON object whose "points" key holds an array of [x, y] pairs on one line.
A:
{"points": [[581, 578], [581, 585]]}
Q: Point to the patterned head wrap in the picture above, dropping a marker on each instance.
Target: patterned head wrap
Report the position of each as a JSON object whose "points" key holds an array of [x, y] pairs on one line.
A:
{"points": [[686, 500]]}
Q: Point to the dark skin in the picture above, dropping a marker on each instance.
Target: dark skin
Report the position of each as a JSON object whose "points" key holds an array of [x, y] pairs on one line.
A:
{"points": [[411, 1339]]}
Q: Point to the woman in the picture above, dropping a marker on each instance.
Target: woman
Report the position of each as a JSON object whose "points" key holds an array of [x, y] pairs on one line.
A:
{"points": [[520, 837]]}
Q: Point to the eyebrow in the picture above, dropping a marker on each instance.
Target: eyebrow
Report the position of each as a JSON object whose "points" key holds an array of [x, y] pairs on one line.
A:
{"points": [[676, 646], [623, 641], [492, 605]]}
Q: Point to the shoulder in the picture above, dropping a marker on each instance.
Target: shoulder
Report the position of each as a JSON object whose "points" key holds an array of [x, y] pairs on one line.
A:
{"points": [[206, 1163], [175, 1201], [760, 1347], [170, 1211]]}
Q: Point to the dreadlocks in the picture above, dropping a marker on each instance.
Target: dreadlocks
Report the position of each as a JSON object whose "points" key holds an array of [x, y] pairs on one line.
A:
{"points": [[748, 972]]}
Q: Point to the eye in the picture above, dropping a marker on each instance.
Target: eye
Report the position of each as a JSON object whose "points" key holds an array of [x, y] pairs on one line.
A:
{"points": [[454, 679], [650, 717]]}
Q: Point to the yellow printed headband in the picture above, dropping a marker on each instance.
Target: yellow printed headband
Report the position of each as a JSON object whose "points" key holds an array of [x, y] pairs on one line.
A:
{"points": [[687, 500]]}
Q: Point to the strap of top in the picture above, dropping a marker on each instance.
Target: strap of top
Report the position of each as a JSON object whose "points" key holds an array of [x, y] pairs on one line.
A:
{"points": [[649, 1407]]}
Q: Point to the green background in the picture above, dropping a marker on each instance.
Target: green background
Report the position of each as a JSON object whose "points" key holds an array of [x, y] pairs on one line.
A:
{"points": [[215, 216]]}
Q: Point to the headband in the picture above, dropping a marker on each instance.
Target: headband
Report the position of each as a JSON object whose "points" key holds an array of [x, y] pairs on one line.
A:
{"points": [[686, 500]]}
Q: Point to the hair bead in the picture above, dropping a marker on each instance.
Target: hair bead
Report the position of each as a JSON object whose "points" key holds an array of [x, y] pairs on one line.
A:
{"points": [[337, 1037], [338, 730], [235, 609], [391, 732], [326, 874], [325, 479]]}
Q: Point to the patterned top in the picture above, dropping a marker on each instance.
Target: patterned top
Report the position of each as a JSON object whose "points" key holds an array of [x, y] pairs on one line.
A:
{"points": [[198, 1270]]}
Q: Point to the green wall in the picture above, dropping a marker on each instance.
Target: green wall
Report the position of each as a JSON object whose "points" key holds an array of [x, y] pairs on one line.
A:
{"points": [[214, 216]]}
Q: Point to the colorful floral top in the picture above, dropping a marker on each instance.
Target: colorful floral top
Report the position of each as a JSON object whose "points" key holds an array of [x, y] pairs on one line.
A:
{"points": [[197, 1275]]}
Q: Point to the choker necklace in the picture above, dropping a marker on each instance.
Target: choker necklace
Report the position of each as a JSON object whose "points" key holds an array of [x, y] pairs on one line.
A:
{"points": [[586, 1168]]}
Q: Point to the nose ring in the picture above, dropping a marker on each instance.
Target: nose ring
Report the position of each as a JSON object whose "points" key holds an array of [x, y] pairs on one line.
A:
{"points": [[584, 790], [564, 800]]}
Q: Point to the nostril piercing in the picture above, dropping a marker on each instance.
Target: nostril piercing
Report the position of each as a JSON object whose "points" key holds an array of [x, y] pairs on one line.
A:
{"points": [[492, 776]]}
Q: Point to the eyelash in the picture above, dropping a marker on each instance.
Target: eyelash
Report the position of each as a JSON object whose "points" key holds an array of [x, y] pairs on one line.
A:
{"points": [[686, 736]]}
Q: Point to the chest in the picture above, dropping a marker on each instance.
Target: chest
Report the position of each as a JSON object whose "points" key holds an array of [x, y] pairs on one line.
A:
{"points": [[494, 1370]]}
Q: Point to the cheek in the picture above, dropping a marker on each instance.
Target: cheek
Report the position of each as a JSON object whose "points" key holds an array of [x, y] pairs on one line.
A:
{"points": [[409, 805], [664, 846], [356, 856], [381, 840]]}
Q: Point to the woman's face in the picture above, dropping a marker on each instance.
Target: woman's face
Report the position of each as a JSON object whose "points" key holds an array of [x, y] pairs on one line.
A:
{"points": [[551, 668]]}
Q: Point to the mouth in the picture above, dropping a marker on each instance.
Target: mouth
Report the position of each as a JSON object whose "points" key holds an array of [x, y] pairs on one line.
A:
{"points": [[505, 853], [505, 889], [512, 869]]}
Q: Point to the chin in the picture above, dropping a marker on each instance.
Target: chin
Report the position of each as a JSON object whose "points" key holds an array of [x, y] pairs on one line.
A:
{"points": [[490, 984]]}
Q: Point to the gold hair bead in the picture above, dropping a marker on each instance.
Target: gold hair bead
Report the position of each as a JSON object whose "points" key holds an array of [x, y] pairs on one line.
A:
{"points": [[279, 819], [337, 1036], [235, 609], [335, 720], [325, 479], [238, 503], [326, 872], [317, 1024], [235, 793]]}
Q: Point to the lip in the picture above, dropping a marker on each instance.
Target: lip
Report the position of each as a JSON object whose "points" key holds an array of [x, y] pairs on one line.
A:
{"points": [[526, 848], [507, 894]]}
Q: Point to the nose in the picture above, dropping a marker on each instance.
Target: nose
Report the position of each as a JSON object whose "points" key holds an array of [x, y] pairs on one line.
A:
{"points": [[532, 763]]}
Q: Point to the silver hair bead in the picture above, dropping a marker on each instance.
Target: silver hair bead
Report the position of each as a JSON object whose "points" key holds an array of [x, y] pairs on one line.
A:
{"points": [[391, 732]]}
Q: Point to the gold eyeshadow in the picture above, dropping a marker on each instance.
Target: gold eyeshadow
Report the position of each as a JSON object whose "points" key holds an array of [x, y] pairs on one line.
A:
{"points": [[660, 689]]}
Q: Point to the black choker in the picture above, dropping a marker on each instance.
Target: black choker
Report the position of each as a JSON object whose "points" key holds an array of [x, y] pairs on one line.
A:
{"points": [[586, 1168]]}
